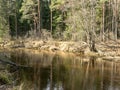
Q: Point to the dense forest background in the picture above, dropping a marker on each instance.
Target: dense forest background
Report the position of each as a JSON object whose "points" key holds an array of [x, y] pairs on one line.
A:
{"points": [[60, 19]]}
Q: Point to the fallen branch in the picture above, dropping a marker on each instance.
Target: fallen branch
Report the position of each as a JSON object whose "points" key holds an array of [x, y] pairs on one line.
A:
{"points": [[13, 64]]}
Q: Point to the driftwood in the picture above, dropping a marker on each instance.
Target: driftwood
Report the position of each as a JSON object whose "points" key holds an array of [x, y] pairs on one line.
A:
{"points": [[111, 58], [13, 64], [8, 62]]}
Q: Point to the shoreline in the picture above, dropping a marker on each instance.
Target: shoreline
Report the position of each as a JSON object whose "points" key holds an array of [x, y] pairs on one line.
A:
{"points": [[110, 49]]}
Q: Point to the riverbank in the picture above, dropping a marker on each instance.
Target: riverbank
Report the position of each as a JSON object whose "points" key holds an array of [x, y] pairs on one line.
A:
{"points": [[7, 78], [111, 48], [106, 52], [20, 67]]}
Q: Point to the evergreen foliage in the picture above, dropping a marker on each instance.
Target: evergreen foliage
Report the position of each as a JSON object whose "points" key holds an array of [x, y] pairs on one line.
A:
{"points": [[66, 19]]}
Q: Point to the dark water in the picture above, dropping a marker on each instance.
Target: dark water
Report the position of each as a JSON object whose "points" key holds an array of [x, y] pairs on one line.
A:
{"points": [[59, 71]]}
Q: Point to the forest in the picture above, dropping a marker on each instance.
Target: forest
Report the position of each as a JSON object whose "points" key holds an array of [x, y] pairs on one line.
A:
{"points": [[60, 19], [86, 21], [59, 44]]}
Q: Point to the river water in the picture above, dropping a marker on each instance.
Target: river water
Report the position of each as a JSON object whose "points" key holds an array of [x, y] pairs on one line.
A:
{"points": [[60, 71]]}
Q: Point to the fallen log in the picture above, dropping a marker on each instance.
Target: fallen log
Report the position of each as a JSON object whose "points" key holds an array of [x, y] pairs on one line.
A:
{"points": [[111, 58], [13, 64]]}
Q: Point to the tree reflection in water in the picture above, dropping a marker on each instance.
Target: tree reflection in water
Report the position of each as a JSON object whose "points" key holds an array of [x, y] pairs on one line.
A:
{"points": [[54, 71]]}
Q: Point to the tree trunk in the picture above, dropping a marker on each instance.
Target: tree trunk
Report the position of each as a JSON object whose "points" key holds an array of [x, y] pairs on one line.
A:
{"points": [[116, 15], [16, 24], [39, 17], [103, 21], [51, 17], [92, 43]]}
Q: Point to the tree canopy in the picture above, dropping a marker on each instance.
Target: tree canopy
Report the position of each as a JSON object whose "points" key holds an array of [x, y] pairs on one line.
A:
{"points": [[64, 19]]}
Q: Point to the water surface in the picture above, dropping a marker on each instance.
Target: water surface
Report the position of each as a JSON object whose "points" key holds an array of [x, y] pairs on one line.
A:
{"points": [[60, 71]]}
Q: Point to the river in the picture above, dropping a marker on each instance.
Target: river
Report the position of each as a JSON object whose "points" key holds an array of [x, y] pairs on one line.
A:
{"points": [[60, 71]]}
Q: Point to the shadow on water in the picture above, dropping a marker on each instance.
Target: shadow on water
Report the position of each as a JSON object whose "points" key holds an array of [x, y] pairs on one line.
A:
{"points": [[54, 71]]}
